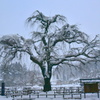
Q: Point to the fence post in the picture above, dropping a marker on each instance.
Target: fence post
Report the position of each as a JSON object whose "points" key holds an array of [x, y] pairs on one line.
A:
{"points": [[54, 94], [37, 94], [2, 88], [46, 94]]}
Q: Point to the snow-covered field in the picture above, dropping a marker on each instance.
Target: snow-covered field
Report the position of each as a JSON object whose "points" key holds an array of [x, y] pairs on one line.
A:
{"points": [[88, 97]]}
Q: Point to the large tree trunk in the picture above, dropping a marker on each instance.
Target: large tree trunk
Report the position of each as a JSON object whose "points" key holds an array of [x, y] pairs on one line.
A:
{"points": [[47, 84], [47, 76]]}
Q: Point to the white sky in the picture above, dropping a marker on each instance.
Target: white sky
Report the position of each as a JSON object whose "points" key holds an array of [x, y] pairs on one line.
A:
{"points": [[84, 13]]}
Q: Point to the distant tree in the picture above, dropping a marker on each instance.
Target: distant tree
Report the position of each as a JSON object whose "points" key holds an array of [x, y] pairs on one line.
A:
{"points": [[54, 42], [13, 74]]}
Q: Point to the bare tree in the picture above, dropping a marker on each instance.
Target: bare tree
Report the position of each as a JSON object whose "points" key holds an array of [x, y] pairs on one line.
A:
{"points": [[13, 74], [54, 42]]}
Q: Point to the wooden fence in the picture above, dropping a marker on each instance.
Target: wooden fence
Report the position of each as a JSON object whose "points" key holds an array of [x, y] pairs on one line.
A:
{"points": [[66, 93]]}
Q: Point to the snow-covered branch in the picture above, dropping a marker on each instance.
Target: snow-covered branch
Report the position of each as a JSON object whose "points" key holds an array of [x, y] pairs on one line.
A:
{"points": [[70, 34]]}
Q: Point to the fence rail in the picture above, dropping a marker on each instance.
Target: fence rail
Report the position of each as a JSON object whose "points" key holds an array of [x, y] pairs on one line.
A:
{"points": [[62, 92]]}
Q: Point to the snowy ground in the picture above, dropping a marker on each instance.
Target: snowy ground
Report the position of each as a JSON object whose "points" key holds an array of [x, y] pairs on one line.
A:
{"points": [[88, 97]]}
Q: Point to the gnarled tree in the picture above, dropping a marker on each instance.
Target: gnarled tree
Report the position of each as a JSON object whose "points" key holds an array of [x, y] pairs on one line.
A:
{"points": [[53, 43]]}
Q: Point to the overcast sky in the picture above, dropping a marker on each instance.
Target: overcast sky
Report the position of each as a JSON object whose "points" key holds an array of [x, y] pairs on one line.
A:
{"points": [[84, 13]]}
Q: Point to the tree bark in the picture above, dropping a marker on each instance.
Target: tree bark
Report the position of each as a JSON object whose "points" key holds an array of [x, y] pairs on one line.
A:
{"points": [[47, 84]]}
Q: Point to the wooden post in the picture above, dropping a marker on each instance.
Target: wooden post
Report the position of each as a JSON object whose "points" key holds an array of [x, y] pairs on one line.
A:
{"points": [[98, 94], [54, 94], [37, 94], [21, 96], [3, 89], [29, 96], [63, 94], [46, 94]]}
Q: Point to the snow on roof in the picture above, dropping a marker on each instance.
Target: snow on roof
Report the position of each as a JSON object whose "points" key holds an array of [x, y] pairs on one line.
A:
{"points": [[90, 80]]}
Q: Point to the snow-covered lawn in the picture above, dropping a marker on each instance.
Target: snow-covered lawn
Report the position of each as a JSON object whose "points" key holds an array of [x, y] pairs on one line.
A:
{"points": [[88, 97]]}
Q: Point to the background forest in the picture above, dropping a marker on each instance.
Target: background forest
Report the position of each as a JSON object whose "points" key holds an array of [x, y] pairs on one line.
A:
{"points": [[18, 75]]}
